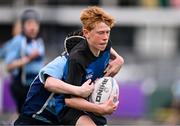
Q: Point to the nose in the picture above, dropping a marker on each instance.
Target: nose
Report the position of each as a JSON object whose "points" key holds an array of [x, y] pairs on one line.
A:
{"points": [[106, 36]]}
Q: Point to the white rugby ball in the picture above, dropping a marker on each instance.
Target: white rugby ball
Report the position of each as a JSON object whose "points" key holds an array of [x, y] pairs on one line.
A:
{"points": [[104, 88]]}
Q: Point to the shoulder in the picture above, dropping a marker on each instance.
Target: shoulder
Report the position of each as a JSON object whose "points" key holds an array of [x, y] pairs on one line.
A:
{"points": [[17, 40], [55, 68]]}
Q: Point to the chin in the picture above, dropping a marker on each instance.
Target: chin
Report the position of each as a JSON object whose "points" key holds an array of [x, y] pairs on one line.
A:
{"points": [[102, 49]]}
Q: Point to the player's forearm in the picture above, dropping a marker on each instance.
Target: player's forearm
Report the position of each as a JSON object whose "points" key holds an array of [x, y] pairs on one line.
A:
{"points": [[115, 55], [84, 105], [58, 86], [18, 63]]}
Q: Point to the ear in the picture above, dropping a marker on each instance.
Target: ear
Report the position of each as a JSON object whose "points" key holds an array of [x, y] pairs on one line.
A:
{"points": [[86, 33]]}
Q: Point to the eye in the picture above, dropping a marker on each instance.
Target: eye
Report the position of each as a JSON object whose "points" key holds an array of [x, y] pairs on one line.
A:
{"points": [[100, 32]]}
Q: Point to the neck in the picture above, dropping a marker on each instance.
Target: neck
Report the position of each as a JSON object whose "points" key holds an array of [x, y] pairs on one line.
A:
{"points": [[95, 52]]}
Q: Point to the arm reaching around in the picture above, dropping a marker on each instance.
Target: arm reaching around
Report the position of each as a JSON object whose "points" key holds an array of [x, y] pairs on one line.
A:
{"points": [[58, 86], [81, 104], [115, 64]]}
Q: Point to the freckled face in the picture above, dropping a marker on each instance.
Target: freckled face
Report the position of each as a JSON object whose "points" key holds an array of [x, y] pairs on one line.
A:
{"points": [[99, 36]]}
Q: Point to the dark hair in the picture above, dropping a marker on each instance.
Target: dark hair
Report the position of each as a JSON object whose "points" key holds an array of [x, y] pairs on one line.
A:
{"points": [[30, 14]]}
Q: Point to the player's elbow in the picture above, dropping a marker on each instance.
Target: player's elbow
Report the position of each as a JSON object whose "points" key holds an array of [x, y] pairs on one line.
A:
{"points": [[48, 84], [121, 59]]}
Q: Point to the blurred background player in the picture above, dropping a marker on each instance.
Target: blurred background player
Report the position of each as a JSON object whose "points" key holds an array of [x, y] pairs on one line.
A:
{"points": [[16, 30], [25, 55]]}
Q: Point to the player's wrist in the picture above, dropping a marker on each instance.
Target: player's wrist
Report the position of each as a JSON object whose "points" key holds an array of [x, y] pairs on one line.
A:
{"points": [[24, 60], [100, 110], [30, 57], [77, 91], [120, 59], [80, 91]]}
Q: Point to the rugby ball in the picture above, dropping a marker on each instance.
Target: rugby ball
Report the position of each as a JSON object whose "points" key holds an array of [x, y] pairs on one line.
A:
{"points": [[104, 88]]}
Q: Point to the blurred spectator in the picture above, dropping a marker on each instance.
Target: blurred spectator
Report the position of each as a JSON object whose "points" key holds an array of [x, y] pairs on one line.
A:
{"points": [[25, 56], [16, 30]]}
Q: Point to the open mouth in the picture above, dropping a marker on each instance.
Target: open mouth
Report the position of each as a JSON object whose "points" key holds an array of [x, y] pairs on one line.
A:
{"points": [[103, 43]]}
